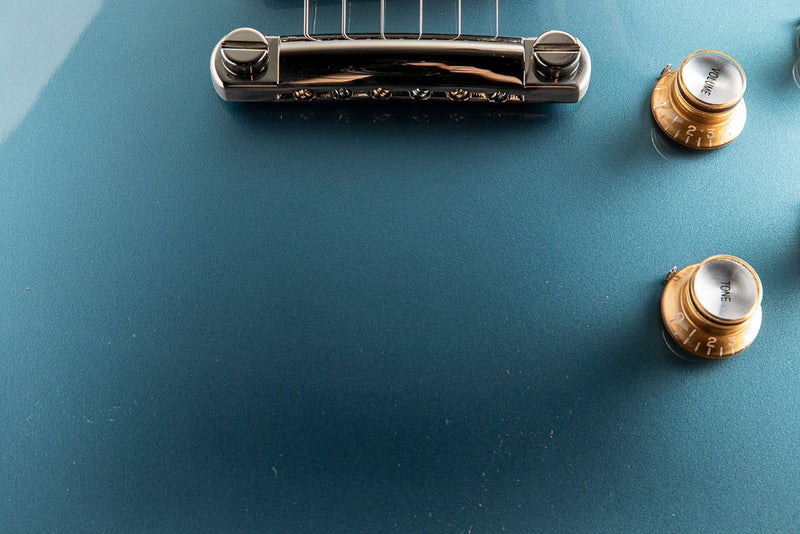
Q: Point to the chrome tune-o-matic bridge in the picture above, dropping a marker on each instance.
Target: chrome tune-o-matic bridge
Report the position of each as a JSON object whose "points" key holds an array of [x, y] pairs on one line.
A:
{"points": [[247, 66]]}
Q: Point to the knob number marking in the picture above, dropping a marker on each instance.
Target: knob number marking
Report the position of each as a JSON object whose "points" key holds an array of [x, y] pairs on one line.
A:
{"points": [[690, 133], [689, 336], [679, 323], [682, 324], [679, 318]]}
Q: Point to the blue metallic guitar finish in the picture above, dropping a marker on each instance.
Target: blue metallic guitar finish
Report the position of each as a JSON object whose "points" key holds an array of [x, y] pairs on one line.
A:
{"points": [[399, 317]]}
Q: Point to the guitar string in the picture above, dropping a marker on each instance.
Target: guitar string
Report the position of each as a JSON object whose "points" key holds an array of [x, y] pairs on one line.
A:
{"points": [[383, 19], [420, 19], [344, 20], [308, 34], [306, 19], [459, 20]]}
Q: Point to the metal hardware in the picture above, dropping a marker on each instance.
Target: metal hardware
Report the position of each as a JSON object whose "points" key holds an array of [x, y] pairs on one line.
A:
{"points": [[458, 95], [712, 309], [701, 105], [671, 274], [381, 93], [556, 54], [420, 94], [342, 94], [244, 53], [303, 95], [249, 66]]}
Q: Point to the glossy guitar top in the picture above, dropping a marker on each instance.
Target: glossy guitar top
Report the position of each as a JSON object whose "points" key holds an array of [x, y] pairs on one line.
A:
{"points": [[389, 316]]}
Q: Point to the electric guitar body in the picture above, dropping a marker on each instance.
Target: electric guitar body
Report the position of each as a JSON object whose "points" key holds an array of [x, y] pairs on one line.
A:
{"points": [[378, 266]]}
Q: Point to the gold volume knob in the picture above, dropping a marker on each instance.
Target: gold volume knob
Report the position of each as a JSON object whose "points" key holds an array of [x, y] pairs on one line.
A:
{"points": [[700, 104], [712, 309]]}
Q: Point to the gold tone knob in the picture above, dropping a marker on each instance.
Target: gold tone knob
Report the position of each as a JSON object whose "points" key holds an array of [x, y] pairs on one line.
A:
{"points": [[712, 309], [700, 104]]}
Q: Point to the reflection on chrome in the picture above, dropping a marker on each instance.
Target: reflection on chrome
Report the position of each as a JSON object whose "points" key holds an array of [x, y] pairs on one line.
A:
{"points": [[247, 66]]}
